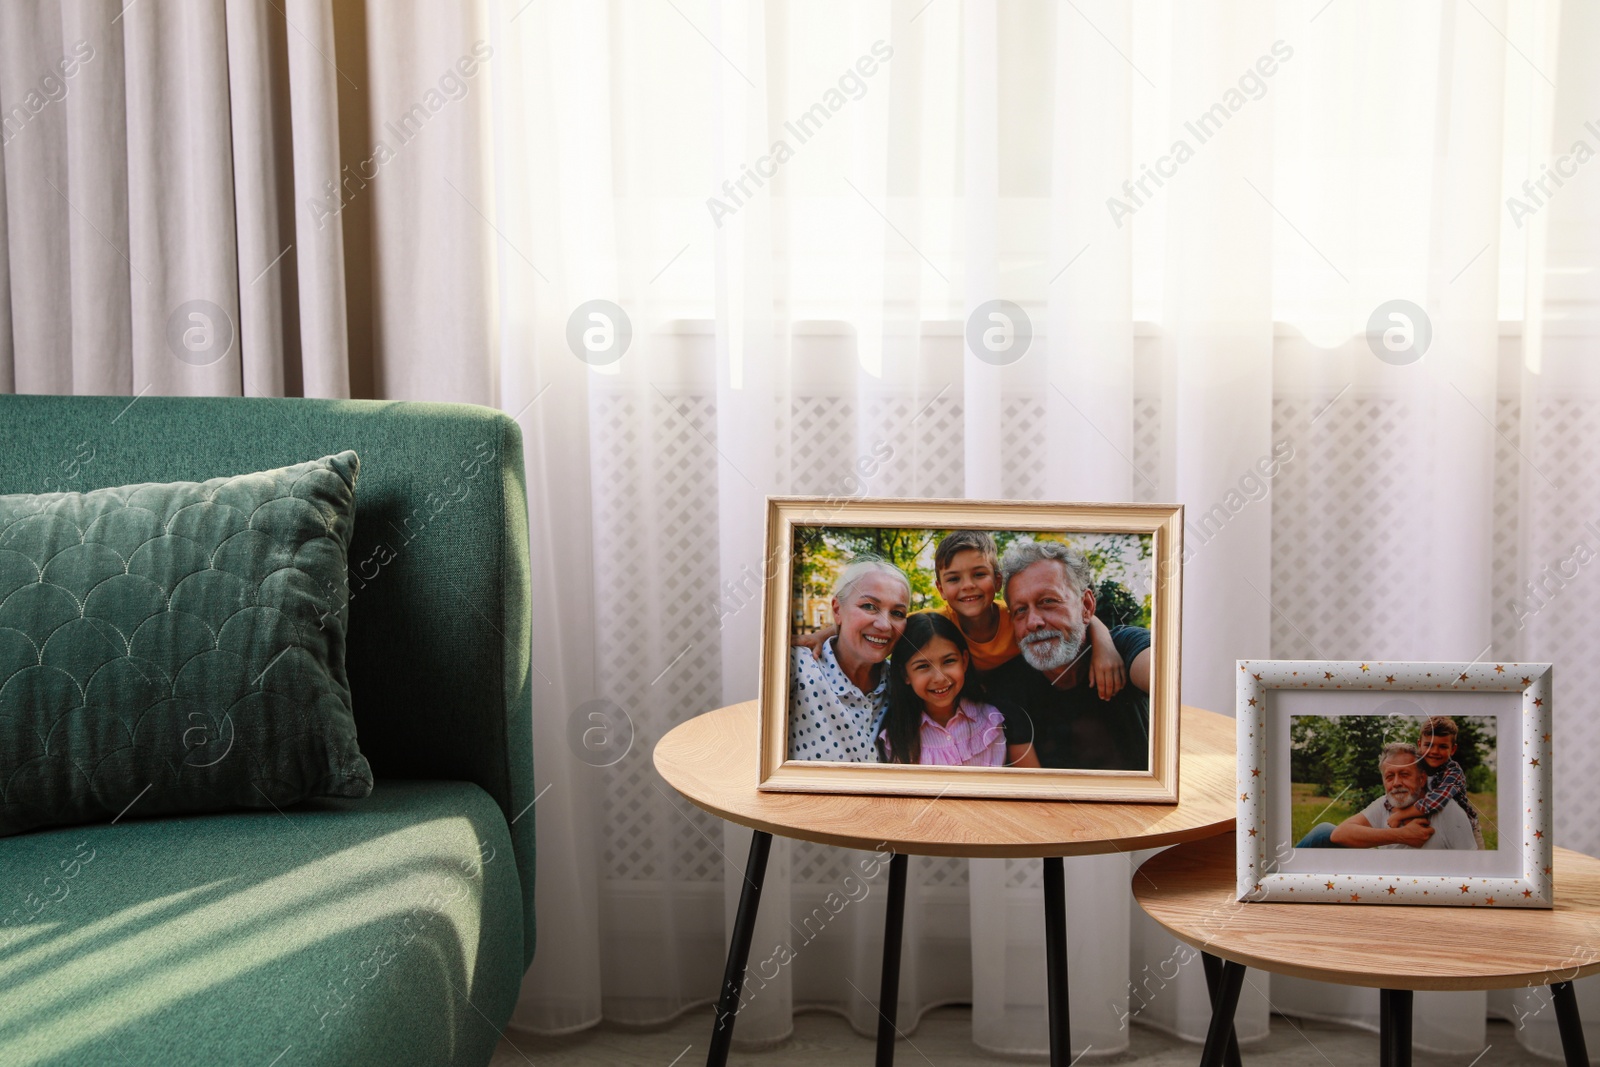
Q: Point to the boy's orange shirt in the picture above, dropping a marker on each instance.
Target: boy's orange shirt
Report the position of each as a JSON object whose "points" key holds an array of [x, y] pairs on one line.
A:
{"points": [[987, 655]]}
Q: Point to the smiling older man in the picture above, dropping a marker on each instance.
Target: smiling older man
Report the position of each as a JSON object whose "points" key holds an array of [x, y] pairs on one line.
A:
{"points": [[1050, 591], [1404, 782]]}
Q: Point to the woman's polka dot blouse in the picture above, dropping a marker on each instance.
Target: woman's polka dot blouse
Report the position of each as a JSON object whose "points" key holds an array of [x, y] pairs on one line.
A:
{"points": [[829, 718]]}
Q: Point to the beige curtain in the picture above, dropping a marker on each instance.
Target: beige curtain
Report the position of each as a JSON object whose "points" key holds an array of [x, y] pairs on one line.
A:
{"points": [[155, 156]]}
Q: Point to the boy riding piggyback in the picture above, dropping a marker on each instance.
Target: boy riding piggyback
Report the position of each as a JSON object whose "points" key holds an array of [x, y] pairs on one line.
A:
{"points": [[1436, 743]]}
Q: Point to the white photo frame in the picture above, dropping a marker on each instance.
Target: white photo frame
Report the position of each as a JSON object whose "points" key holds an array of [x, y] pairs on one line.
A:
{"points": [[1517, 696]]}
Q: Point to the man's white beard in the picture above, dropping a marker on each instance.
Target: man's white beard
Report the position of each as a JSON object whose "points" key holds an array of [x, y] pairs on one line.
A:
{"points": [[1402, 798], [1052, 650]]}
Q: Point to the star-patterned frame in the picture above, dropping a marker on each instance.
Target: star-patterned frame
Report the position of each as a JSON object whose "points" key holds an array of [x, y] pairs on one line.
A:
{"points": [[1258, 880]]}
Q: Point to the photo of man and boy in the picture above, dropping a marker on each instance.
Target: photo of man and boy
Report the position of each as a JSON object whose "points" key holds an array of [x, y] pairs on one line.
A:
{"points": [[1393, 781], [971, 648]]}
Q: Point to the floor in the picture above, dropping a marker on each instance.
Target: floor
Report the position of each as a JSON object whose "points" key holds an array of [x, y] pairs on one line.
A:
{"points": [[944, 1040]]}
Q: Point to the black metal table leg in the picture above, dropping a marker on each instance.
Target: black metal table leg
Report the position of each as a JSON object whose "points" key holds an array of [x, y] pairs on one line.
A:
{"points": [[1055, 958], [744, 927], [889, 986], [1394, 1026], [1224, 1002], [1213, 969], [1571, 1026], [1402, 1027], [1385, 1029]]}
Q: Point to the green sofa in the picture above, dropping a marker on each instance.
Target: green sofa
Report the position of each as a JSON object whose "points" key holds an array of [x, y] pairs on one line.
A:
{"points": [[390, 930]]}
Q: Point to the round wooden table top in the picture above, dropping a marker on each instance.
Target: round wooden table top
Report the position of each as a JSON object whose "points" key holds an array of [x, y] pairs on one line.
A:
{"points": [[712, 760], [1191, 891]]}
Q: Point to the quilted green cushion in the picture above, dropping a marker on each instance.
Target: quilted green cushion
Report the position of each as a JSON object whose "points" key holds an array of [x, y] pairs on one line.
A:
{"points": [[177, 647]]}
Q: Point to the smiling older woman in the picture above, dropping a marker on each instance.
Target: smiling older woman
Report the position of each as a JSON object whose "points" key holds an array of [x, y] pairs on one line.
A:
{"points": [[837, 700]]}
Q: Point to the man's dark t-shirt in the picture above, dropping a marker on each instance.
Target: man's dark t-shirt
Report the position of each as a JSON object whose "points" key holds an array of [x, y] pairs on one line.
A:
{"points": [[1074, 728]]}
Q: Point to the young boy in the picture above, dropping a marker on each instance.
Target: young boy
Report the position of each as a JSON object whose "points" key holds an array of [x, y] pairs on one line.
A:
{"points": [[1446, 780], [966, 571]]}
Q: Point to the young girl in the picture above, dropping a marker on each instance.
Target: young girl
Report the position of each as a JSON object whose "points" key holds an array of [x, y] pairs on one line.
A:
{"points": [[937, 713]]}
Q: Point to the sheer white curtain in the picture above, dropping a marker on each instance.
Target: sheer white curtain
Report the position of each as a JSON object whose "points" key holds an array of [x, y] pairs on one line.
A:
{"points": [[798, 289]]}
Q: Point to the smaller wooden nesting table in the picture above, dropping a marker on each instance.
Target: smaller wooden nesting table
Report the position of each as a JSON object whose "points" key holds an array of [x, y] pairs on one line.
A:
{"points": [[1191, 890], [712, 760]]}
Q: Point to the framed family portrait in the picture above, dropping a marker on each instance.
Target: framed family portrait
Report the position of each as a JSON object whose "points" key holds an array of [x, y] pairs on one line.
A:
{"points": [[1395, 783], [971, 648]]}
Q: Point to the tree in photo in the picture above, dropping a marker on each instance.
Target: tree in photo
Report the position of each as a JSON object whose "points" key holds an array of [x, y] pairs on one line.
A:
{"points": [[821, 552], [1121, 566]]}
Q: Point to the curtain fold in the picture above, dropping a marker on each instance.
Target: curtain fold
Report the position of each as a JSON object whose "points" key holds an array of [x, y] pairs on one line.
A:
{"points": [[182, 232], [428, 177], [96, 143], [708, 251], [257, 93], [313, 269]]}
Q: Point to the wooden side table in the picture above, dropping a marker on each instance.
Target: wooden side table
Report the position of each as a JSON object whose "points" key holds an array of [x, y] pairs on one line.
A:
{"points": [[711, 759], [1191, 891]]}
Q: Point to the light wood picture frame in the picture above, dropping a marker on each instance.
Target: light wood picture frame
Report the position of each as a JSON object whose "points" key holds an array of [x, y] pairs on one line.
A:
{"points": [[1157, 532], [1297, 718]]}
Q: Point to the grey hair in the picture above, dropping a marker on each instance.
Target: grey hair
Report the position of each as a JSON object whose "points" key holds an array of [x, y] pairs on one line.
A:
{"points": [[1398, 748], [1025, 552], [862, 566]]}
